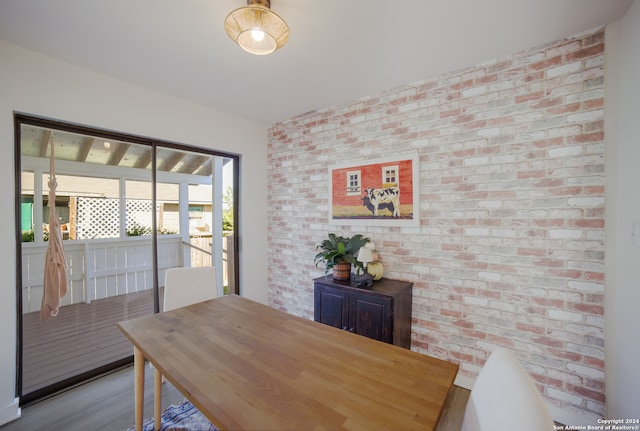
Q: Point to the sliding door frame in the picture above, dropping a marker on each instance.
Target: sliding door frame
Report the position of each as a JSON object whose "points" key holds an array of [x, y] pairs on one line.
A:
{"points": [[154, 144]]}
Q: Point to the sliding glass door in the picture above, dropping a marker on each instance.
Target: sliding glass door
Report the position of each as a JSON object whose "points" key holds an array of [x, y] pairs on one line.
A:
{"points": [[127, 209]]}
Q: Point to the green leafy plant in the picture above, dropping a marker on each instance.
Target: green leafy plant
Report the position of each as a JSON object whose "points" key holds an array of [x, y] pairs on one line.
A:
{"points": [[337, 249], [138, 230], [165, 231], [227, 210]]}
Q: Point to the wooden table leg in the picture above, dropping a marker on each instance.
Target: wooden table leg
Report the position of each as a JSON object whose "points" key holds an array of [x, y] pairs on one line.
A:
{"points": [[138, 367], [157, 398]]}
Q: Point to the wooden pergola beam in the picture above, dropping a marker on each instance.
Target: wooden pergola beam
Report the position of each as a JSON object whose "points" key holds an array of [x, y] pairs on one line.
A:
{"points": [[144, 160], [116, 157], [44, 145], [172, 161], [85, 147]]}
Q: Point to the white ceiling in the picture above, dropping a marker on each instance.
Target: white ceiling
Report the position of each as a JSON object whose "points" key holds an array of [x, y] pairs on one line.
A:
{"points": [[339, 50]]}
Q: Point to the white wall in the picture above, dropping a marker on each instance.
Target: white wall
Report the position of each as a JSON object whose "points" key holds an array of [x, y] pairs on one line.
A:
{"points": [[622, 307], [38, 85]]}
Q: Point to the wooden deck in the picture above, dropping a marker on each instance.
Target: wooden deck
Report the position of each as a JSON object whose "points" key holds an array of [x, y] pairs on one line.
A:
{"points": [[81, 338]]}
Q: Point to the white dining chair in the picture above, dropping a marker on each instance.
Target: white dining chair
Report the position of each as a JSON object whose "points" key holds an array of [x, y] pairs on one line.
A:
{"points": [[504, 398], [187, 286], [182, 287]]}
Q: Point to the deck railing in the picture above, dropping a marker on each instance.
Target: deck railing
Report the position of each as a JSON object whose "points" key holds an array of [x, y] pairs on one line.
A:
{"points": [[100, 268]]}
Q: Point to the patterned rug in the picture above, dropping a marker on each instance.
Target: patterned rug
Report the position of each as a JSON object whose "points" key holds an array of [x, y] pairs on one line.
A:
{"points": [[180, 417]]}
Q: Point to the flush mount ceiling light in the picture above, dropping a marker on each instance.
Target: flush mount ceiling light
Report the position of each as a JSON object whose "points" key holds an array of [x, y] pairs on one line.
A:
{"points": [[256, 28]]}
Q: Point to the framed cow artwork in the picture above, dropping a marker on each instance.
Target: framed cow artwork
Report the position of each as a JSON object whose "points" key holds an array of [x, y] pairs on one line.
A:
{"points": [[381, 192]]}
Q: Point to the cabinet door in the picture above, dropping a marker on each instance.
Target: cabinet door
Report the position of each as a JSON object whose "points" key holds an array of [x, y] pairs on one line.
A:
{"points": [[331, 306], [371, 316]]}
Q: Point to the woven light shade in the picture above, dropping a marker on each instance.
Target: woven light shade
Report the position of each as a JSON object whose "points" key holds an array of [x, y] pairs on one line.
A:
{"points": [[256, 28]]}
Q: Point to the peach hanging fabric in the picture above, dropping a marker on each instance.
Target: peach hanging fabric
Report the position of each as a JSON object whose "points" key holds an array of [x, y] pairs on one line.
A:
{"points": [[55, 262]]}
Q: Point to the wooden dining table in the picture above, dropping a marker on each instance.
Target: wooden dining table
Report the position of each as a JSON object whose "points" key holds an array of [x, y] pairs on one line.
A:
{"points": [[247, 366]]}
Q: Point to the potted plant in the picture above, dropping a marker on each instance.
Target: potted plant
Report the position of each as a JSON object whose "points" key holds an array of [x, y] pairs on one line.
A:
{"points": [[339, 253]]}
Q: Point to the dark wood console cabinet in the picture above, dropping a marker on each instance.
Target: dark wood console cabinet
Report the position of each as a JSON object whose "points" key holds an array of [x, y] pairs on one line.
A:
{"points": [[381, 312]]}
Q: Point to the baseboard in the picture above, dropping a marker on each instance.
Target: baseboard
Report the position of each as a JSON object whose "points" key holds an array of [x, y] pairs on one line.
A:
{"points": [[570, 419], [10, 412], [561, 416]]}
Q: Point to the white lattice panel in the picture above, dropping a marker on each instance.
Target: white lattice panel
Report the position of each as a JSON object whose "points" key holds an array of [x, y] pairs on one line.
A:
{"points": [[100, 217], [139, 213]]}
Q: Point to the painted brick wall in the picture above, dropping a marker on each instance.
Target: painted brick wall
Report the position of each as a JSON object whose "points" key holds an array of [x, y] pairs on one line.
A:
{"points": [[509, 251]]}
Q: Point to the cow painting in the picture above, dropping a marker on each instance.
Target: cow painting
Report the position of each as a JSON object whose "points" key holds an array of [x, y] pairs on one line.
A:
{"points": [[381, 206], [382, 192], [376, 199]]}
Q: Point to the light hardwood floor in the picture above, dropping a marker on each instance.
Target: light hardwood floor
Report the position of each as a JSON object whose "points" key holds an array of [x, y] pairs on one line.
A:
{"points": [[107, 404]]}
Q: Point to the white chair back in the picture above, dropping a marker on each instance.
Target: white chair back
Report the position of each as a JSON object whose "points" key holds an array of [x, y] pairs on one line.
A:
{"points": [[505, 398], [186, 286]]}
